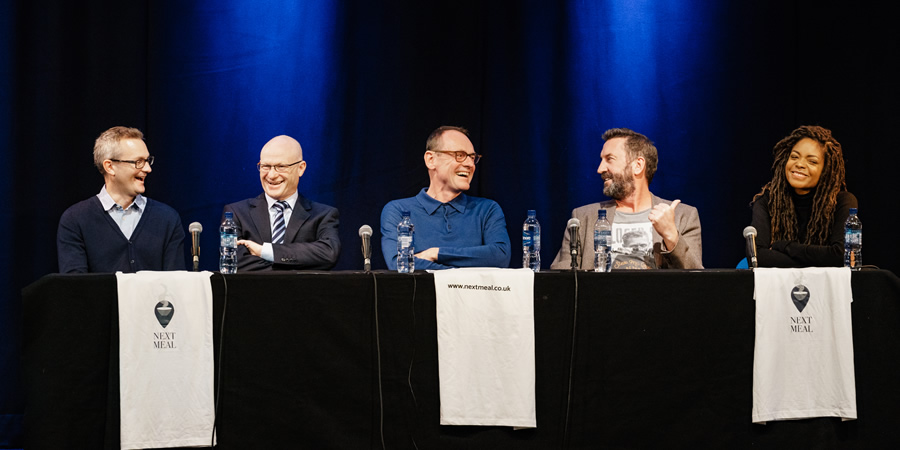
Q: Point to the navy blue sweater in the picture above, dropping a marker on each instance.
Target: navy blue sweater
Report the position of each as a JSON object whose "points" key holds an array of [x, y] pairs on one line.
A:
{"points": [[89, 240]]}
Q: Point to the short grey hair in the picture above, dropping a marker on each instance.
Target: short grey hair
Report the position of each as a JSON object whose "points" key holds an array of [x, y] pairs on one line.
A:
{"points": [[107, 145]]}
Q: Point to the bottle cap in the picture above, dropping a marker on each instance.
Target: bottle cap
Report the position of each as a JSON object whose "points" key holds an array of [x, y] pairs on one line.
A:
{"points": [[531, 213], [229, 215], [601, 213], [853, 211], [404, 213]]}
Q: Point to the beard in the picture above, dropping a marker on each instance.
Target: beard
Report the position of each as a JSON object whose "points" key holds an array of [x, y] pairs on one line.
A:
{"points": [[619, 187]]}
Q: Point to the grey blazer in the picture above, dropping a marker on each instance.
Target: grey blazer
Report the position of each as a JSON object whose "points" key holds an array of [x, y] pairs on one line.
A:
{"points": [[687, 254]]}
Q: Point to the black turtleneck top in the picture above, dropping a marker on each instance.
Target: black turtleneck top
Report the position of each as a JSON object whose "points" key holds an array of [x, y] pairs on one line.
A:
{"points": [[794, 253]]}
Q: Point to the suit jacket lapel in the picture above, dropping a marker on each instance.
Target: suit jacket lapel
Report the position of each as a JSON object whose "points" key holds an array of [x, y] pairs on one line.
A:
{"points": [[259, 211], [657, 239], [298, 217], [654, 200], [610, 212]]}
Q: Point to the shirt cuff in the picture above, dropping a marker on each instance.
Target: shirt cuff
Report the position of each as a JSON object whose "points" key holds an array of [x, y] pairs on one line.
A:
{"points": [[267, 253]]}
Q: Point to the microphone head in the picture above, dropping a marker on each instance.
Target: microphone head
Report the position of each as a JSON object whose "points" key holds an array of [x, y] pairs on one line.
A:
{"points": [[195, 227], [573, 223], [365, 230], [749, 231]]}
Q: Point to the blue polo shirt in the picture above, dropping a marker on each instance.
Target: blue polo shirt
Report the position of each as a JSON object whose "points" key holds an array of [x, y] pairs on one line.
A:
{"points": [[469, 231]]}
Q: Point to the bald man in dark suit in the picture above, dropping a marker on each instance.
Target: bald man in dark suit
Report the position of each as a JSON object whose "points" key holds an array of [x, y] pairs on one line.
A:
{"points": [[281, 229]]}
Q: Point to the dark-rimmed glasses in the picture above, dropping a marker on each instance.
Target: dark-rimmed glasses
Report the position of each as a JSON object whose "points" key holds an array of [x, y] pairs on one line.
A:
{"points": [[280, 168], [138, 163], [460, 155]]}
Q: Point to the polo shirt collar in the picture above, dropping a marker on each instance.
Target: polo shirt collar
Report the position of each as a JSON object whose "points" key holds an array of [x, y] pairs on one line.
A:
{"points": [[431, 205]]}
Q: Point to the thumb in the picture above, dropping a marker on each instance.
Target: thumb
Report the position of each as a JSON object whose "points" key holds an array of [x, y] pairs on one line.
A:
{"points": [[674, 204]]}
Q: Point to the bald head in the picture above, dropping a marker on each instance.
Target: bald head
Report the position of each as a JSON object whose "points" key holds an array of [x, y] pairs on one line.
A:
{"points": [[283, 152], [283, 145]]}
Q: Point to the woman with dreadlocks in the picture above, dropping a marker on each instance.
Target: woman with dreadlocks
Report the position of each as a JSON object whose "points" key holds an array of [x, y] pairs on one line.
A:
{"points": [[799, 215]]}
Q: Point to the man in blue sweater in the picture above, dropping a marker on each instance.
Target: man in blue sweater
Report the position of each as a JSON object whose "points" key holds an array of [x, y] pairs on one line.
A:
{"points": [[119, 229], [452, 229]]}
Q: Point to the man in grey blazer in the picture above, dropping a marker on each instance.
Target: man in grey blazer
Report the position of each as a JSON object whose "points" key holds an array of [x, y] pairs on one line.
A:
{"points": [[281, 229], [648, 232]]}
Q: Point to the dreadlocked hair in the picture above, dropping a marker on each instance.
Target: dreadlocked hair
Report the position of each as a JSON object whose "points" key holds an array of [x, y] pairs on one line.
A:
{"points": [[831, 182]]}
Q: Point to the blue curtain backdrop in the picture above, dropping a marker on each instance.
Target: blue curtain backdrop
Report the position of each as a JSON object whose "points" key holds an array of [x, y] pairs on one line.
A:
{"points": [[361, 85]]}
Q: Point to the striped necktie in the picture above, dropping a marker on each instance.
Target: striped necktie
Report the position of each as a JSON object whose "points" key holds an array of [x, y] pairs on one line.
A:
{"points": [[278, 231]]}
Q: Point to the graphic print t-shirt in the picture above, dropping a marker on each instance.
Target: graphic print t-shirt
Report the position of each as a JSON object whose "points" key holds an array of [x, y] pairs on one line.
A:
{"points": [[632, 241]]}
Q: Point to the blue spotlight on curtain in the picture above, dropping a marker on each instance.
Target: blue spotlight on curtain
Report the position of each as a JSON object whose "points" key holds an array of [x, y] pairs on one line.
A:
{"points": [[646, 66], [225, 77]]}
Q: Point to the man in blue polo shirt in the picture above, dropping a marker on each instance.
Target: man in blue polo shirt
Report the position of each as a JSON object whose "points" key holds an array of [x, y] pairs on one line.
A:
{"points": [[452, 228]]}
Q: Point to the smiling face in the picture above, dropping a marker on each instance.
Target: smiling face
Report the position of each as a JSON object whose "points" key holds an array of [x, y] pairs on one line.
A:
{"points": [[123, 181], [447, 175], [804, 165], [281, 151], [615, 169]]}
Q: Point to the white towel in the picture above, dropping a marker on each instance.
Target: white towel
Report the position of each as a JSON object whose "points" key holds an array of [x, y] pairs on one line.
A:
{"points": [[803, 359], [485, 326], [165, 359]]}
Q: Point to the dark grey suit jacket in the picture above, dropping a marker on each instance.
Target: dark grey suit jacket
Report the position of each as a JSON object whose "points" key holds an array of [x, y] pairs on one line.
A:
{"points": [[310, 242]]}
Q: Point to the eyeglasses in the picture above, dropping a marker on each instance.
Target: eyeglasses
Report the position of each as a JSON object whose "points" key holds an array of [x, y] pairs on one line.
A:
{"points": [[460, 155], [280, 168], [138, 164]]}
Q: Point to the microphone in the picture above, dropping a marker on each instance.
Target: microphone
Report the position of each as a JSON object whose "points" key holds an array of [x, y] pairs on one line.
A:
{"points": [[365, 232], [750, 235], [195, 229], [572, 227]]}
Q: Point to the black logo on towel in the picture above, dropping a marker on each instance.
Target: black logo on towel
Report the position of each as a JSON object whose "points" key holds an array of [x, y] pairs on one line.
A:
{"points": [[800, 296], [164, 311]]}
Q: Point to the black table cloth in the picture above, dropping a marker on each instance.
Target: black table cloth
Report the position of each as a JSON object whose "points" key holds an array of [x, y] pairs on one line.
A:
{"points": [[623, 360]]}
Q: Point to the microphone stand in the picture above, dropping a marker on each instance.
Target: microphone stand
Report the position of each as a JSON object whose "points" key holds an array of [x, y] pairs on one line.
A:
{"points": [[573, 249]]}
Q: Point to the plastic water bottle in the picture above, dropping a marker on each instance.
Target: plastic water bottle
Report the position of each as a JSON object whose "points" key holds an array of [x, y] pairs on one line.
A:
{"points": [[531, 243], [853, 241], [602, 238], [228, 245], [406, 250]]}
